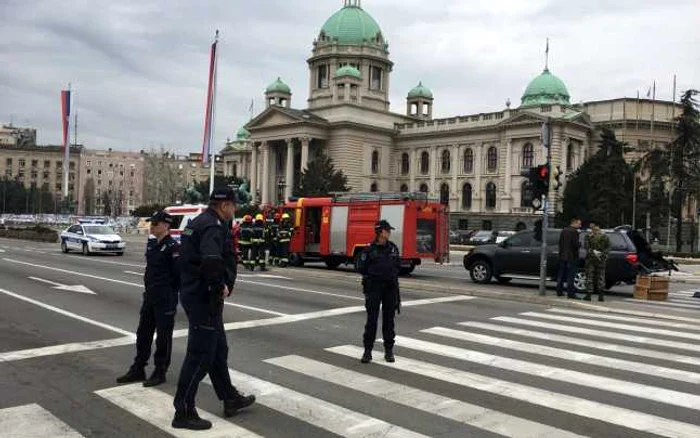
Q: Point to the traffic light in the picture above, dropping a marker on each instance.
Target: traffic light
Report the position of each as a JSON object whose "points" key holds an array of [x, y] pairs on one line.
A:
{"points": [[538, 177], [557, 175]]}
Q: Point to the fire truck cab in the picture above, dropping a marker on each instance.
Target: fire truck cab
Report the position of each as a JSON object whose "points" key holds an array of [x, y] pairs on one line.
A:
{"points": [[335, 229], [182, 215]]}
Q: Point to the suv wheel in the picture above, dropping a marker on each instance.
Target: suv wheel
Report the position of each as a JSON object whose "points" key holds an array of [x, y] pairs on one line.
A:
{"points": [[580, 281], [480, 271]]}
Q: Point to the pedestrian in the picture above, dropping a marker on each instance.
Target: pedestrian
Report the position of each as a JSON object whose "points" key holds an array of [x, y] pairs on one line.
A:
{"points": [[379, 265], [569, 245], [259, 242], [285, 236], [157, 315], [208, 276], [246, 241], [597, 250]]}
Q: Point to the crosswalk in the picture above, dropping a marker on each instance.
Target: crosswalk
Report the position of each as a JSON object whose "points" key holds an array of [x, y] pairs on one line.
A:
{"points": [[551, 373], [677, 300]]}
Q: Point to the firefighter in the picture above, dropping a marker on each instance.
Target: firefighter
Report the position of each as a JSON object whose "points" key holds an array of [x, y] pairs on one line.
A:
{"points": [[258, 253], [274, 239], [285, 236], [379, 265], [246, 241]]}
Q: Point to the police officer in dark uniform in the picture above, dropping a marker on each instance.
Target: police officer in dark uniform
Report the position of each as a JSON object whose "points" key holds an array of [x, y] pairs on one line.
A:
{"points": [[379, 265], [159, 303], [208, 276]]}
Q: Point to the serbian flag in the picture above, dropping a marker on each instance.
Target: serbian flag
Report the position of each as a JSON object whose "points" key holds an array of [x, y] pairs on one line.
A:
{"points": [[211, 103], [65, 117]]}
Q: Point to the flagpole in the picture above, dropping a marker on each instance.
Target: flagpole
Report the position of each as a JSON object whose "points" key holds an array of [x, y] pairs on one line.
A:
{"points": [[212, 159], [66, 144]]}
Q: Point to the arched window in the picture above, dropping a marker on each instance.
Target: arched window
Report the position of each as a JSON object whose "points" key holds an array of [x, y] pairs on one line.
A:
{"points": [[490, 195], [424, 188], [404, 188], [466, 196], [528, 155], [570, 157], [405, 164], [526, 194], [373, 187], [446, 164], [468, 160], [424, 163], [444, 194], [375, 162], [492, 159]]}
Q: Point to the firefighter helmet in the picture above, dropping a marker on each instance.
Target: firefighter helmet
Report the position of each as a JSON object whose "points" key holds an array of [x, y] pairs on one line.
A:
{"points": [[285, 216], [247, 218], [259, 217]]}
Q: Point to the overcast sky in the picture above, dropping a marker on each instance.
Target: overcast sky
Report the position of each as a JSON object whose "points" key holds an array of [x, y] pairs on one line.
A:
{"points": [[139, 68]]}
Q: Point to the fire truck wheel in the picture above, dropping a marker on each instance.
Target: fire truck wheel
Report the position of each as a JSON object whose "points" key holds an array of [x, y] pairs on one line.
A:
{"points": [[332, 263], [480, 271]]}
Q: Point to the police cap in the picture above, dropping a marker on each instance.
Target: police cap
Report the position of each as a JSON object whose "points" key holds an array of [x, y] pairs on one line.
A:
{"points": [[161, 216], [224, 194], [383, 225]]}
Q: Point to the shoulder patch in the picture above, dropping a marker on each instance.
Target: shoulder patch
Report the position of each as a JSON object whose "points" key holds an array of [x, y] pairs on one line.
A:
{"points": [[188, 231]]}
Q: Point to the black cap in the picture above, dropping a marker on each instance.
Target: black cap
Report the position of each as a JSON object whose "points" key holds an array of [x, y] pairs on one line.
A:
{"points": [[224, 194], [383, 225], [161, 216]]}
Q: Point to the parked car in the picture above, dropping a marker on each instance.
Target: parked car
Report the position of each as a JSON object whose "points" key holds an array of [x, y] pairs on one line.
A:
{"points": [[518, 257], [460, 237], [480, 237], [90, 236]]}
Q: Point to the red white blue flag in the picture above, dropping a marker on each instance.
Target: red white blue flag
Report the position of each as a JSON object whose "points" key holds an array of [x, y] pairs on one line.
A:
{"points": [[65, 117], [211, 104]]}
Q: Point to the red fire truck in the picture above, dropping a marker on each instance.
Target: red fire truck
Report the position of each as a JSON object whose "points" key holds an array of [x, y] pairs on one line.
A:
{"points": [[335, 229]]}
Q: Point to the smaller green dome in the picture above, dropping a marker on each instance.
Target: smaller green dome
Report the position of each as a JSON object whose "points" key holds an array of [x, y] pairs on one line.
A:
{"points": [[279, 87], [545, 89], [348, 70], [242, 134], [420, 91]]}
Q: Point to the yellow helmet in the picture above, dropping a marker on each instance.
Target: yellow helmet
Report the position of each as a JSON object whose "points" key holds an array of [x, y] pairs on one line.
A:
{"points": [[259, 217], [285, 216]]}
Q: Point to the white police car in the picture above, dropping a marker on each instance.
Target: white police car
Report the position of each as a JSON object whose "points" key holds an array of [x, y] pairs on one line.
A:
{"points": [[92, 237]]}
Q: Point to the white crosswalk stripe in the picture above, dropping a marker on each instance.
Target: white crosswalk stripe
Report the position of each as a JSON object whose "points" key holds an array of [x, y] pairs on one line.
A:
{"points": [[664, 304], [457, 410], [636, 320], [31, 421]]}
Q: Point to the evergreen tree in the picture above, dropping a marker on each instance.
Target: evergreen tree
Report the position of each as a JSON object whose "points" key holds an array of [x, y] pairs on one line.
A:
{"points": [[320, 178]]}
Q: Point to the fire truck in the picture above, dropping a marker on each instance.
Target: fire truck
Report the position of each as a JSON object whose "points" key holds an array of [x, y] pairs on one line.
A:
{"points": [[335, 229]]}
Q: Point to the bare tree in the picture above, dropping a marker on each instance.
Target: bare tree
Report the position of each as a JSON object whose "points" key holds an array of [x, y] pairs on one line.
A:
{"points": [[163, 183]]}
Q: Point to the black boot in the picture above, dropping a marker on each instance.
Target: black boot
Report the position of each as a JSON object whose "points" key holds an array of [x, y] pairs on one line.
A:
{"points": [[389, 354], [133, 375], [367, 356], [239, 402], [156, 378], [587, 297], [190, 420]]}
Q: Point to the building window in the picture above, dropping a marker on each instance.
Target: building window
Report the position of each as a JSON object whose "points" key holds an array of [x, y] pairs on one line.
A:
{"points": [[468, 164], [373, 187], [424, 163], [35, 163], [71, 165], [8, 162], [424, 188], [46, 175], [486, 225], [47, 164], [570, 156], [376, 75], [467, 196], [322, 76], [89, 163], [404, 188], [446, 161], [34, 174], [375, 162], [490, 195], [444, 194], [526, 194], [492, 159], [405, 164], [21, 163], [59, 164], [528, 156]]}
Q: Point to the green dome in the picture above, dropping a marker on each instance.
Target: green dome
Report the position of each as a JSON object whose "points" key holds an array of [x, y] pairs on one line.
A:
{"points": [[279, 87], [348, 70], [420, 91], [545, 89], [351, 25], [242, 134]]}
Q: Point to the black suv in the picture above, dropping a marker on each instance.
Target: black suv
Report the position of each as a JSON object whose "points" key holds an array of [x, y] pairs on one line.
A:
{"points": [[519, 257]]}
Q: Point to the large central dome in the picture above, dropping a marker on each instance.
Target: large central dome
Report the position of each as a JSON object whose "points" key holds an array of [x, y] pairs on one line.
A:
{"points": [[351, 25], [545, 89]]}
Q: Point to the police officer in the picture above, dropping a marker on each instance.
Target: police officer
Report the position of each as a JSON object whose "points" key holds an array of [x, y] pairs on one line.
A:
{"points": [[285, 236], [207, 278], [379, 265], [161, 281], [246, 241]]}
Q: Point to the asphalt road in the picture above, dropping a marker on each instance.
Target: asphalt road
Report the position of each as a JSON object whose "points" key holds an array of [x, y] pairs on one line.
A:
{"points": [[466, 365]]}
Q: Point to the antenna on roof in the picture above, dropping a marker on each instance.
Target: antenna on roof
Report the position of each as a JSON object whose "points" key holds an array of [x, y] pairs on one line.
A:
{"points": [[546, 56]]}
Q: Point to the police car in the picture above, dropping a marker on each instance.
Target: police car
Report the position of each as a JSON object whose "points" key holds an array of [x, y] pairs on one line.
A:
{"points": [[92, 236]]}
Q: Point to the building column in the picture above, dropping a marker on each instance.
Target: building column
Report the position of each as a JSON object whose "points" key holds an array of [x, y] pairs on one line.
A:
{"points": [[412, 171], [254, 174], [266, 173], [477, 189], [455, 166], [433, 170], [508, 189], [305, 153], [289, 175]]}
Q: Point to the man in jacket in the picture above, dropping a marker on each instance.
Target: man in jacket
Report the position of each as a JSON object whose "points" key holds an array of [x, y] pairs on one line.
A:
{"points": [[157, 315], [569, 245], [208, 276], [379, 265], [597, 250]]}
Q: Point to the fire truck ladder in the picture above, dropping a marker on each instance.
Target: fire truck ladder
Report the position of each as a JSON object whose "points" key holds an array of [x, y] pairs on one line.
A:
{"points": [[380, 196]]}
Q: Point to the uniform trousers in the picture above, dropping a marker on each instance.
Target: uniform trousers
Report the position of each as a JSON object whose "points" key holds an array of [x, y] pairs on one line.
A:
{"points": [[379, 294], [157, 316]]}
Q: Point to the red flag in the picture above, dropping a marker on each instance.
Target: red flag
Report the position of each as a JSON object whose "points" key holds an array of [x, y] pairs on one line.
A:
{"points": [[65, 116], [209, 115]]}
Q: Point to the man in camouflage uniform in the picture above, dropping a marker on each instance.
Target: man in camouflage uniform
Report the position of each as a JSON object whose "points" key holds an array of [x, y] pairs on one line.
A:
{"points": [[597, 250]]}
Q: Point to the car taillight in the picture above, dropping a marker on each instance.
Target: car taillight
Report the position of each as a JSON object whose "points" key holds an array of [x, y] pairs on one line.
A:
{"points": [[632, 259]]}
